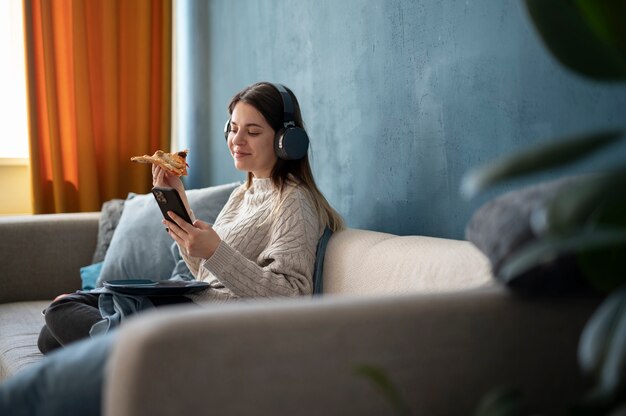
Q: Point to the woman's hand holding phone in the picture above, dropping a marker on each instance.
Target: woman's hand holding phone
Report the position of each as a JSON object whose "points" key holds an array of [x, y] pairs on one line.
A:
{"points": [[168, 200], [198, 239]]}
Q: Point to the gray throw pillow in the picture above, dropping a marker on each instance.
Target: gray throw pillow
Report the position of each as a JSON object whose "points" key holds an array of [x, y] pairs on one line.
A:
{"points": [[502, 227], [110, 215], [141, 248]]}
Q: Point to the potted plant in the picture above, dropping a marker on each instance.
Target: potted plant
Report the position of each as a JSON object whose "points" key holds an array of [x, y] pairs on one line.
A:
{"points": [[585, 220], [588, 218]]}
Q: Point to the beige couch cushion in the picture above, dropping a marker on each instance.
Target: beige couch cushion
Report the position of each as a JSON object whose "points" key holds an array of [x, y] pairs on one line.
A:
{"points": [[365, 262], [20, 323]]}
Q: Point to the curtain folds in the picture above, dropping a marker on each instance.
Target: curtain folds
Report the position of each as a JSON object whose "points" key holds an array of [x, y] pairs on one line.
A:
{"points": [[99, 92]]}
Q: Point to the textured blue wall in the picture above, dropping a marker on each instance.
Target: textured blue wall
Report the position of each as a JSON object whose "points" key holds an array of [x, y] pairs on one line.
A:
{"points": [[400, 98]]}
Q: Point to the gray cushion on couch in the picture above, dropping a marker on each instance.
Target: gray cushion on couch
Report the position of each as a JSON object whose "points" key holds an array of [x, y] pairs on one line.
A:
{"points": [[502, 228], [110, 215]]}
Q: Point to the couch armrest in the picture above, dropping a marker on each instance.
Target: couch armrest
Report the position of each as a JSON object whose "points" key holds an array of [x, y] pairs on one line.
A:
{"points": [[443, 351], [41, 254]]}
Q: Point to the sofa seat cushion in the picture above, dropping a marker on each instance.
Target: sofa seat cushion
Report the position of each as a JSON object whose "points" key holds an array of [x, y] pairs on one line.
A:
{"points": [[360, 262], [20, 323]]}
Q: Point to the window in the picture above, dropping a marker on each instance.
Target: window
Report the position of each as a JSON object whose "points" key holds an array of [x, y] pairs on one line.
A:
{"points": [[13, 110]]}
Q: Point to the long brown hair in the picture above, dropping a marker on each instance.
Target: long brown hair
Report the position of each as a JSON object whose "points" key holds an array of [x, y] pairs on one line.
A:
{"points": [[267, 100]]}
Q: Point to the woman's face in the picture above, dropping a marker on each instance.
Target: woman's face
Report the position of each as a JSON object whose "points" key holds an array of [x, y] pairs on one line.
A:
{"points": [[251, 141]]}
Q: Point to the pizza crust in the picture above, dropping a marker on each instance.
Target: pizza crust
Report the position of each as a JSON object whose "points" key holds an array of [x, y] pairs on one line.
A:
{"points": [[175, 163]]}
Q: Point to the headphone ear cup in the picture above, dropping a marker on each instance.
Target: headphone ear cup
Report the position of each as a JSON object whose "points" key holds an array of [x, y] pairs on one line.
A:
{"points": [[227, 129], [291, 143]]}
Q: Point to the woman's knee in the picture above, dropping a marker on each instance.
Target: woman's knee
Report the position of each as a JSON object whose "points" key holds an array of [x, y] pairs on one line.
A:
{"points": [[62, 310], [71, 304], [70, 318], [46, 341]]}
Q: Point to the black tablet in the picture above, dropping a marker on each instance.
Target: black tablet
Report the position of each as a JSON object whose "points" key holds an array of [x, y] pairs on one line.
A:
{"points": [[147, 287]]}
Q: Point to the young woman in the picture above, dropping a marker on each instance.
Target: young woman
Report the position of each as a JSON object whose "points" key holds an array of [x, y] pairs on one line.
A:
{"points": [[263, 243]]}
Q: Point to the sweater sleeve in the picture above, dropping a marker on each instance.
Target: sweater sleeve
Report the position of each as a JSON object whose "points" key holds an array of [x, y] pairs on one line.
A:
{"points": [[285, 266], [194, 263]]}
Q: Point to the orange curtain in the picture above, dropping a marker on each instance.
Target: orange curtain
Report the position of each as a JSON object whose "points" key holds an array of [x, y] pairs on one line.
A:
{"points": [[99, 92]]}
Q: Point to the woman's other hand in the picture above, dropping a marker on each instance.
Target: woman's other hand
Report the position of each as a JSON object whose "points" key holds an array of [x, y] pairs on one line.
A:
{"points": [[198, 240], [163, 178]]}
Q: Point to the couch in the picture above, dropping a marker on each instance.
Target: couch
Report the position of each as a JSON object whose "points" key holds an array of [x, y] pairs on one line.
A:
{"points": [[424, 311]]}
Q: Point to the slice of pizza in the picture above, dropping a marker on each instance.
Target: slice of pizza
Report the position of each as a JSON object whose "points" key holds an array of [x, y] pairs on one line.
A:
{"points": [[172, 162]]}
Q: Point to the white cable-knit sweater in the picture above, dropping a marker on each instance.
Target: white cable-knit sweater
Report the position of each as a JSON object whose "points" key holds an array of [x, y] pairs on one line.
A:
{"points": [[262, 253]]}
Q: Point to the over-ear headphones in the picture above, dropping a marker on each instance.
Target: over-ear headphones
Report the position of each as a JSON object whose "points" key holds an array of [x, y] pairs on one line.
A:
{"points": [[291, 142]]}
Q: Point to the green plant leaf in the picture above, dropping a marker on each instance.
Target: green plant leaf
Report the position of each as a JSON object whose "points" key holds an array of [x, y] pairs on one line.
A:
{"points": [[606, 20], [596, 337], [536, 159], [386, 387], [550, 248], [501, 402], [612, 376], [596, 198], [584, 35], [604, 269]]}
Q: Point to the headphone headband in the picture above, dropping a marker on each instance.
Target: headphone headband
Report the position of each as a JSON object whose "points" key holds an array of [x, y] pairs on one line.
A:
{"points": [[290, 142], [288, 108]]}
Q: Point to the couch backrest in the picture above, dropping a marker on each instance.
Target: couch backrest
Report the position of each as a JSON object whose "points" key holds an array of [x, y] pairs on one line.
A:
{"points": [[368, 262]]}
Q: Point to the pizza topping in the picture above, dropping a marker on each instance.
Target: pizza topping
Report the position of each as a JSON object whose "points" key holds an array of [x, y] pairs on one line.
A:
{"points": [[175, 163]]}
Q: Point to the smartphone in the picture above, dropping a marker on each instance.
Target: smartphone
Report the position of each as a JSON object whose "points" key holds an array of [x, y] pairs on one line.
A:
{"points": [[169, 200]]}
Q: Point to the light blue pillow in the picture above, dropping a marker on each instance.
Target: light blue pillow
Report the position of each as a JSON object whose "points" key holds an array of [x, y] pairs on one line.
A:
{"points": [[141, 248], [89, 275]]}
